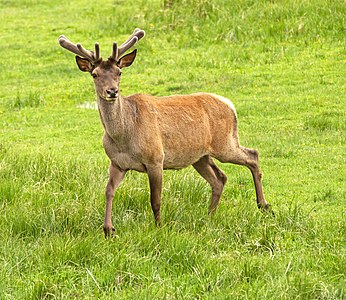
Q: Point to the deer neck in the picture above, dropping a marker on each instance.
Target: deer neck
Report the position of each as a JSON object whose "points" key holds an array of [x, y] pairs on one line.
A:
{"points": [[116, 117]]}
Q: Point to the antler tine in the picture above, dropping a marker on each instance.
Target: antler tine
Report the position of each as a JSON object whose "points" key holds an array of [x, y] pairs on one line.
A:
{"points": [[124, 47], [133, 39], [67, 44], [79, 49], [86, 53], [97, 52], [115, 55], [139, 33]]}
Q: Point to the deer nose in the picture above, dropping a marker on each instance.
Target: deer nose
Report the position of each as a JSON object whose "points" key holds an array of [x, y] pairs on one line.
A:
{"points": [[112, 93]]}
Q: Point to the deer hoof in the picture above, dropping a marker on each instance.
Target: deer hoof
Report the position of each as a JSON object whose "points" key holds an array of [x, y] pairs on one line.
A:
{"points": [[108, 231], [267, 208]]}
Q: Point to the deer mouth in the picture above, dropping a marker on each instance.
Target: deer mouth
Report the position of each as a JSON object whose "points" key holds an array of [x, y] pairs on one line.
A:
{"points": [[109, 98]]}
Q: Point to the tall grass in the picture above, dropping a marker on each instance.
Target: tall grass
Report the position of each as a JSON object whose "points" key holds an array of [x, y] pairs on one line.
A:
{"points": [[282, 63]]}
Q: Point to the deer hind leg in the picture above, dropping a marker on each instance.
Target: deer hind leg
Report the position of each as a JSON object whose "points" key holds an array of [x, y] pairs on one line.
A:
{"points": [[249, 158], [214, 176], [115, 178]]}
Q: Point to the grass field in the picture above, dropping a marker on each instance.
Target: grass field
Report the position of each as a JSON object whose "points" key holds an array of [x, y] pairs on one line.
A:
{"points": [[282, 63]]}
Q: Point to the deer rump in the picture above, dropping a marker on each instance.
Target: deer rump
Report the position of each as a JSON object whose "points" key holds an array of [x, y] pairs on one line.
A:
{"points": [[175, 130]]}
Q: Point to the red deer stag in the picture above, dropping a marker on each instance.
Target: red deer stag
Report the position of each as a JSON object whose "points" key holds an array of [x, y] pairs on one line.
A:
{"points": [[150, 134]]}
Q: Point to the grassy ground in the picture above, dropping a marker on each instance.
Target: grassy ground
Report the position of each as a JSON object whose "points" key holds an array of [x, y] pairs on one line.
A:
{"points": [[283, 65]]}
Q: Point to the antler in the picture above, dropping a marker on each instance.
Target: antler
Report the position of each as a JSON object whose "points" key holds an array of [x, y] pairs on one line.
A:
{"points": [[130, 42], [94, 57], [80, 50]]}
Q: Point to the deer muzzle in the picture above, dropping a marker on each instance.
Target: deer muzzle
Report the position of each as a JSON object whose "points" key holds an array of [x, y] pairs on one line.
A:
{"points": [[112, 93]]}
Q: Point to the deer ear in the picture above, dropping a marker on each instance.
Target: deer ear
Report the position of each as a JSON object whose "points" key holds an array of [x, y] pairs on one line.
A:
{"points": [[127, 59], [84, 64]]}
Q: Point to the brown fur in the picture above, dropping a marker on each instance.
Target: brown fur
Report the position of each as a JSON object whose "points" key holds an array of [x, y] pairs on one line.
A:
{"points": [[176, 131], [149, 134]]}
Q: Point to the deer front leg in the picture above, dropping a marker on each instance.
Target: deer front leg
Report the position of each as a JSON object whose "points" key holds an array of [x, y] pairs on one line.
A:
{"points": [[155, 182], [115, 177]]}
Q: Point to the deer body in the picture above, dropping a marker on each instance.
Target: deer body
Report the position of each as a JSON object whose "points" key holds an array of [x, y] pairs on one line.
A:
{"points": [[149, 134], [175, 131]]}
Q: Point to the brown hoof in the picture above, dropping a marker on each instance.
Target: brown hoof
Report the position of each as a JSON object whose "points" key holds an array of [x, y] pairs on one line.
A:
{"points": [[108, 232], [266, 208]]}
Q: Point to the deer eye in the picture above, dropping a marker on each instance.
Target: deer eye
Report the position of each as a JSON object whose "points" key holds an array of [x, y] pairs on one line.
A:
{"points": [[93, 75], [119, 74]]}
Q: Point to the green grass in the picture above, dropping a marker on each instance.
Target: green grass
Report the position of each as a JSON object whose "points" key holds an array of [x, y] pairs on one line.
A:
{"points": [[282, 63]]}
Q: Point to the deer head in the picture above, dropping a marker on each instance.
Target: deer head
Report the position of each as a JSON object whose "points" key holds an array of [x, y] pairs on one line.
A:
{"points": [[106, 73]]}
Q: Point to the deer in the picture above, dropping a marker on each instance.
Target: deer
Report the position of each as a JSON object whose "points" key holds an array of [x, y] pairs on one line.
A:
{"points": [[150, 134]]}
